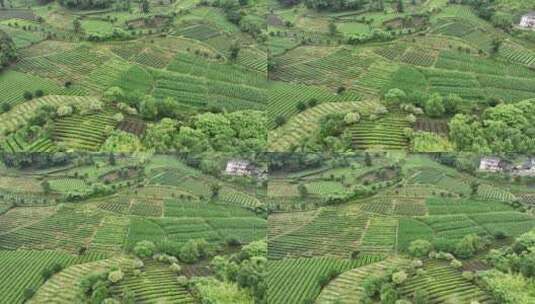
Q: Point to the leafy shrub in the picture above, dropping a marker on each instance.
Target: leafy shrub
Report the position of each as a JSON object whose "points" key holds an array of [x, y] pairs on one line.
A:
{"points": [[372, 286], [175, 268], [389, 295], [399, 277], [144, 249], [468, 275], [420, 248], [416, 264], [456, 264], [138, 264], [445, 245], [27, 95], [468, 246], [192, 251], [115, 276]]}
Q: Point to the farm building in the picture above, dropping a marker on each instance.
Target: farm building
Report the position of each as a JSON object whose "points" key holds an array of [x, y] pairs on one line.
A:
{"points": [[490, 164], [240, 168], [528, 20]]}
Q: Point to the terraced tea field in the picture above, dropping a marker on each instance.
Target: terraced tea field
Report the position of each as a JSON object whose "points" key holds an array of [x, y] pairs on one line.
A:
{"points": [[424, 50], [181, 62], [329, 233], [347, 288], [383, 134], [23, 269], [88, 218], [306, 123], [310, 245], [290, 152], [443, 283], [294, 280]]}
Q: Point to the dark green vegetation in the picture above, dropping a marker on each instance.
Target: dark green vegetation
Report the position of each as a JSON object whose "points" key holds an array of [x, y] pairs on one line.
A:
{"points": [[7, 49], [99, 228], [128, 76], [441, 76], [388, 227]]}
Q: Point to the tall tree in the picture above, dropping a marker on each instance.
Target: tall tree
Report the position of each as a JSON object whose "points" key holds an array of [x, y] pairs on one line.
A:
{"points": [[333, 29], [368, 159], [144, 6], [77, 25], [7, 49], [400, 7], [380, 5], [234, 51], [496, 45]]}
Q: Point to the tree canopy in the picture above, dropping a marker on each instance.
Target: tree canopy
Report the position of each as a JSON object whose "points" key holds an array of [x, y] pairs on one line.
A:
{"points": [[7, 49], [239, 131], [504, 128], [86, 4]]}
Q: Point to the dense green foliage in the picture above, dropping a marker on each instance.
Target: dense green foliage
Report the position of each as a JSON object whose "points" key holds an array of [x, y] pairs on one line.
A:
{"points": [[7, 49], [232, 132], [505, 128]]}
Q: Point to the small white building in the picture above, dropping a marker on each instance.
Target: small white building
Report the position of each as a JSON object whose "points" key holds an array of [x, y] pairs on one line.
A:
{"points": [[528, 20], [239, 168], [490, 164]]}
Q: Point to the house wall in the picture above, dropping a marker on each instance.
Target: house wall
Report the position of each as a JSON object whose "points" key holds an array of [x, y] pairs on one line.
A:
{"points": [[527, 21]]}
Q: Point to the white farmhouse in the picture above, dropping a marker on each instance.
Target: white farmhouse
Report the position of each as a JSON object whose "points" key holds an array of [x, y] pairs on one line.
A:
{"points": [[490, 164], [528, 20], [239, 168]]}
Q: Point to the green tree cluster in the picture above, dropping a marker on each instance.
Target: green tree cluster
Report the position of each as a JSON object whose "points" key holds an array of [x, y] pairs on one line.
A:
{"points": [[504, 128], [240, 131], [7, 49], [248, 269]]}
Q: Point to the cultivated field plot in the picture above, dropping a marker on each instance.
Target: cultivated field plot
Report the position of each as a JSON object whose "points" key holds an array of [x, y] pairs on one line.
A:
{"points": [[295, 279], [307, 122], [159, 285], [282, 188], [347, 287], [383, 134], [85, 132], [20, 114], [330, 233], [180, 230], [69, 229], [380, 205], [64, 287], [438, 206], [446, 283], [380, 236], [23, 268]]}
